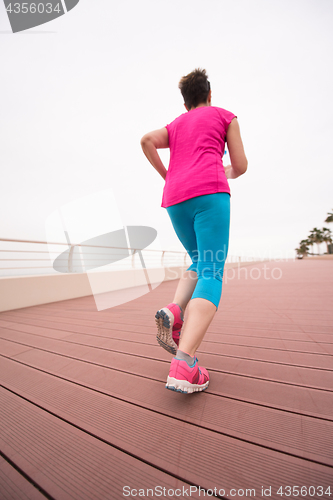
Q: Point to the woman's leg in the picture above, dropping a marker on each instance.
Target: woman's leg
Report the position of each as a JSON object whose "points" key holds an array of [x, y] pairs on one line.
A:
{"points": [[212, 234], [181, 216], [185, 288], [169, 319], [210, 215], [200, 314]]}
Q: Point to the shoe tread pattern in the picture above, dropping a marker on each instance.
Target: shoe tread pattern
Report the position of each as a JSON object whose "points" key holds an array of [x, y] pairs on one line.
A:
{"points": [[164, 332]]}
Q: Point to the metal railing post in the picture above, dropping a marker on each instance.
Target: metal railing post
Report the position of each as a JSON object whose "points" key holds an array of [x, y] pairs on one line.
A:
{"points": [[133, 255], [70, 259]]}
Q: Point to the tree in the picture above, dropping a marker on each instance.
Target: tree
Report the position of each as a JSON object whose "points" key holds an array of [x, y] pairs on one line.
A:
{"points": [[329, 217], [303, 248], [326, 236], [316, 236], [310, 240]]}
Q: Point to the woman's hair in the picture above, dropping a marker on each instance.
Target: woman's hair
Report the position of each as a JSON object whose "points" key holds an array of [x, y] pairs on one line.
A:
{"points": [[195, 88]]}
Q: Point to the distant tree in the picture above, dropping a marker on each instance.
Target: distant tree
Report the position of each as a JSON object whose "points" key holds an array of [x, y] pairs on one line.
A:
{"points": [[311, 240], [303, 248], [316, 236], [329, 217], [326, 236]]}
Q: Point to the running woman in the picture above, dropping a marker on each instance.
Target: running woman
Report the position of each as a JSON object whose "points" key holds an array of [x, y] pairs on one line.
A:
{"points": [[196, 196]]}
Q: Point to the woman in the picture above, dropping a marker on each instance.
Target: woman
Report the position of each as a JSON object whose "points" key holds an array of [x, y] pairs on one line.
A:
{"points": [[196, 196]]}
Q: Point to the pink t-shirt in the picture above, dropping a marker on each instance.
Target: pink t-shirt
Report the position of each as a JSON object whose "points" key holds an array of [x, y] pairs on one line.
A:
{"points": [[196, 140]]}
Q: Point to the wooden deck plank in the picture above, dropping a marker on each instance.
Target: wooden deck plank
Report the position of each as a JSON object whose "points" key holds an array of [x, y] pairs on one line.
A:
{"points": [[13, 486], [144, 322], [217, 452], [11, 348], [79, 381], [147, 367], [225, 313], [138, 345], [67, 462], [299, 400], [123, 331], [300, 436], [244, 315], [297, 358], [319, 343]]}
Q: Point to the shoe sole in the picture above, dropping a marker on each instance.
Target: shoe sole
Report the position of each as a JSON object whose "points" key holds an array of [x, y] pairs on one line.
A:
{"points": [[164, 331], [184, 386]]}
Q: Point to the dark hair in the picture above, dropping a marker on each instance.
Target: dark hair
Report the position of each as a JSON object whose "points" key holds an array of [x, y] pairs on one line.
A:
{"points": [[195, 88]]}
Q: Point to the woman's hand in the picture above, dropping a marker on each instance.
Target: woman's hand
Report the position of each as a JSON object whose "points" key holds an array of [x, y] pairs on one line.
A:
{"points": [[228, 171]]}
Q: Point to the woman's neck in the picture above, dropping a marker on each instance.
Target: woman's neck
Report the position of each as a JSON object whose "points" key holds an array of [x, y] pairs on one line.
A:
{"points": [[203, 104]]}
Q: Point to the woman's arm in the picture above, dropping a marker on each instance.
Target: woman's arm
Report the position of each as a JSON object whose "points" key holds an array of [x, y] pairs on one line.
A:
{"points": [[150, 143], [236, 151]]}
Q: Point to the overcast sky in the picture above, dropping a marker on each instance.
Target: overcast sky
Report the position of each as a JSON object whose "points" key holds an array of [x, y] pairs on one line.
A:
{"points": [[78, 93]]}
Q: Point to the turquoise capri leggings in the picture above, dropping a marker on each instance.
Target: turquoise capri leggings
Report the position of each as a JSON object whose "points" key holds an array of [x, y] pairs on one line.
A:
{"points": [[202, 225]]}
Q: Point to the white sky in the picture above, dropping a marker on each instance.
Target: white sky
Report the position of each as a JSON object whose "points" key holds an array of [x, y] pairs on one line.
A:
{"points": [[76, 99]]}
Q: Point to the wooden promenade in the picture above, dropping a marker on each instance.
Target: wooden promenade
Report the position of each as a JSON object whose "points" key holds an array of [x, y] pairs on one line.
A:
{"points": [[84, 412]]}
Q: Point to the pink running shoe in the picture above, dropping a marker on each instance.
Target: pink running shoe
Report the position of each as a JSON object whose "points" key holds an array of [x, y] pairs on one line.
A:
{"points": [[169, 322], [185, 378]]}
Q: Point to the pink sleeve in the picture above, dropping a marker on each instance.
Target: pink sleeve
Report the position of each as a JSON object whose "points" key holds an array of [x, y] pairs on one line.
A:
{"points": [[169, 129], [226, 117]]}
